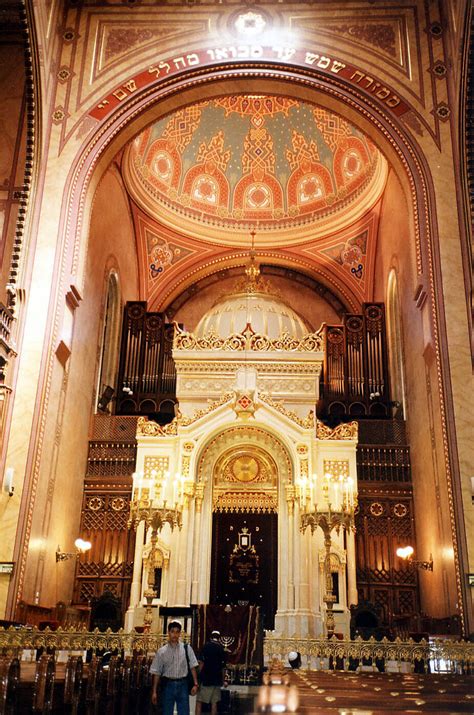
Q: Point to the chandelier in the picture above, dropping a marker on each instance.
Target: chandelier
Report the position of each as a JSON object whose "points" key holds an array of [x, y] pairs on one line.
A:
{"points": [[330, 504]]}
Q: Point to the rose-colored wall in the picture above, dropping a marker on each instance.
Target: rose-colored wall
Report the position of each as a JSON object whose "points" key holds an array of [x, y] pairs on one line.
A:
{"points": [[396, 249], [56, 521]]}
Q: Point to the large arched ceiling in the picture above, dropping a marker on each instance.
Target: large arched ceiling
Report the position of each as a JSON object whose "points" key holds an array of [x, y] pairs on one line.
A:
{"points": [[287, 169], [307, 182]]}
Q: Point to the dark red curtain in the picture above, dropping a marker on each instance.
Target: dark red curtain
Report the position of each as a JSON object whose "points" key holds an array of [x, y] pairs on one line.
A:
{"points": [[240, 630]]}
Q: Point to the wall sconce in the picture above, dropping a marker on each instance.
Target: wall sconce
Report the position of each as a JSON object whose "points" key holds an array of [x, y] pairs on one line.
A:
{"points": [[81, 546], [406, 553]]}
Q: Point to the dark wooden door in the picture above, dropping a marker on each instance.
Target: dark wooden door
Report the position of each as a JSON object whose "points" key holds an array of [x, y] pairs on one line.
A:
{"points": [[244, 561]]}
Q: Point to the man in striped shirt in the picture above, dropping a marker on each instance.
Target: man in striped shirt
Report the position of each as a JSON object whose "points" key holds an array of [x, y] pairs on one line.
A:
{"points": [[170, 667]]}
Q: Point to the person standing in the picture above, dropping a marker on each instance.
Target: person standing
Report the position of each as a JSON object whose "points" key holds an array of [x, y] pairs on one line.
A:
{"points": [[170, 669], [211, 670]]}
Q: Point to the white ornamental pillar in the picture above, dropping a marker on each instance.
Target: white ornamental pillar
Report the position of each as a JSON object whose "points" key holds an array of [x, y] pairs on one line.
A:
{"points": [[351, 569]]}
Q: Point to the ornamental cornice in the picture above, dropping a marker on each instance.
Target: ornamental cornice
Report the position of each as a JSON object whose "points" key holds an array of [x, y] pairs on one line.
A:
{"points": [[184, 421], [305, 423], [268, 367], [260, 502], [313, 342], [347, 430], [148, 428]]}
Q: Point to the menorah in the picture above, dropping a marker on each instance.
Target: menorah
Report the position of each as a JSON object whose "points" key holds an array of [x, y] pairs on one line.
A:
{"points": [[226, 641]]}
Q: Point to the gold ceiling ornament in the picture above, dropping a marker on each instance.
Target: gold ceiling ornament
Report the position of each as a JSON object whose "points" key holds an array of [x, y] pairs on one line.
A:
{"points": [[346, 430], [253, 282], [306, 422]]}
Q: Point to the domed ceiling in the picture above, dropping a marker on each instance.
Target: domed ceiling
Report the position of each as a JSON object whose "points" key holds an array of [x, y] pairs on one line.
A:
{"points": [[221, 168]]}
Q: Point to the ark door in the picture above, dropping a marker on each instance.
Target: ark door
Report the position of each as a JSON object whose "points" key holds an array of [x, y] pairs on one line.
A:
{"points": [[244, 561]]}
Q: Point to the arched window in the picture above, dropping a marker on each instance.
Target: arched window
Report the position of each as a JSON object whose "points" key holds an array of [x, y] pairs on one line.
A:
{"points": [[395, 342], [110, 344]]}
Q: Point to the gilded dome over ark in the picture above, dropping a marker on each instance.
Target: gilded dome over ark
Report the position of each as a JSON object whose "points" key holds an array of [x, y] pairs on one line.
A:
{"points": [[264, 313]]}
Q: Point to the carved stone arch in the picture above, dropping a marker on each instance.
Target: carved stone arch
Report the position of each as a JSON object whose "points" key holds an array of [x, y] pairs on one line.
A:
{"points": [[229, 438]]}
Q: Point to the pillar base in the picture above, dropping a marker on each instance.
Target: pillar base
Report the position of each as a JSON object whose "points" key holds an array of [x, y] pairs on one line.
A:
{"points": [[298, 624]]}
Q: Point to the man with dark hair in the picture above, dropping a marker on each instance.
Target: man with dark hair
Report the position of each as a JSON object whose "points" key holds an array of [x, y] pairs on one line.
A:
{"points": [[211, 664], [170, 668]]}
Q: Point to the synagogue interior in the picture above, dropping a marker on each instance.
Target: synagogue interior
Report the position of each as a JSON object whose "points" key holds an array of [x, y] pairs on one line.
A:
{"points": [[236, 340]]}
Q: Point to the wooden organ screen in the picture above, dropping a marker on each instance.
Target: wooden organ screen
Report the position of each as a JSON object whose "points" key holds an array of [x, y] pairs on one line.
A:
{"points": [[147, 374], [355, 375], [384, 522], [108, 566]]}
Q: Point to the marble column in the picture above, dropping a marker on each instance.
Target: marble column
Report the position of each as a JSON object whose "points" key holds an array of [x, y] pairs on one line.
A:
{"points": [[351, 569], [135, 591]]}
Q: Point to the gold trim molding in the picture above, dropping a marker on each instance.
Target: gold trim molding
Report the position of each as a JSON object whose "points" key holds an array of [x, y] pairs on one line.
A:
{"points": [[347, 430]]}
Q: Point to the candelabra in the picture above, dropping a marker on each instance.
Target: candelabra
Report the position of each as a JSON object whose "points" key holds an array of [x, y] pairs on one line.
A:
{"points": [[329, 505], [156, 501]]}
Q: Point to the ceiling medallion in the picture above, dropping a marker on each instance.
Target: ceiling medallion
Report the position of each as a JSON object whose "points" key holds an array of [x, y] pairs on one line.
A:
{"points": [[250, 23]]}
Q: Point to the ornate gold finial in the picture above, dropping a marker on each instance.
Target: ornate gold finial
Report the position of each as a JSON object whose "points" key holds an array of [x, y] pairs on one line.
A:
{"points": [[253, 281]]}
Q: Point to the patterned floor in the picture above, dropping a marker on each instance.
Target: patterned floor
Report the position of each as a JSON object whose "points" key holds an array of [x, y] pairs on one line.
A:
{"points": [[372, 693]]}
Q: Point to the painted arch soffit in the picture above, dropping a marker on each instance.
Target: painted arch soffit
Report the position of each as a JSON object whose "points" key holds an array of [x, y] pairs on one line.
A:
{"points": [[170, 263]]}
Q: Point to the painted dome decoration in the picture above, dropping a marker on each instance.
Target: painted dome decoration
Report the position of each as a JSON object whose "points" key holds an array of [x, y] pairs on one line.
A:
{"points": [[221, 166], [252, 307]]}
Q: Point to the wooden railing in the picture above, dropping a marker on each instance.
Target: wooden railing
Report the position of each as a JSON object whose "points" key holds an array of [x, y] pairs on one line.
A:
{"points": [[383, 463]]}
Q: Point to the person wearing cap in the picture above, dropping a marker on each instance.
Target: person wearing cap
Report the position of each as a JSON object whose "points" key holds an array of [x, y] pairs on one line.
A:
{"points": [[170, 669], [211, 671], [294, 659]]}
